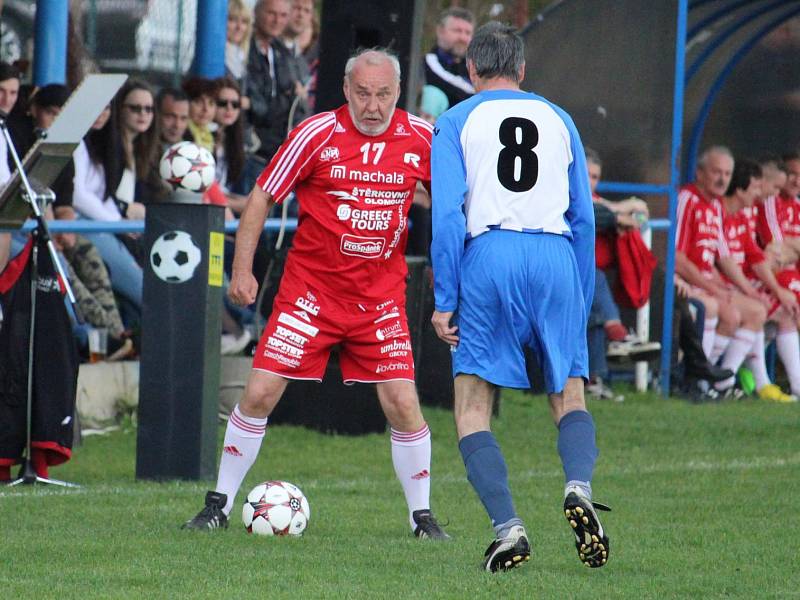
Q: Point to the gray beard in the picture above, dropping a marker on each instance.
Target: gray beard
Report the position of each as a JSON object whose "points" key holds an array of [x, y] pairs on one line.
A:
{"points": [[370, 133]]}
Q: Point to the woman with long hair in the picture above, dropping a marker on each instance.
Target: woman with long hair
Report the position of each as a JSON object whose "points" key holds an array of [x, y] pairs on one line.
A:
{"points": [[229, 141], [230, 158], [99, 164], [134, 113], [240, 29]]}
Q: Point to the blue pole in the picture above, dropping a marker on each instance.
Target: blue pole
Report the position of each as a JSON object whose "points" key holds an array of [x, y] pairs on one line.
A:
{"points": [[716, 87], [50, 49], [209, 46], [675, 152]]}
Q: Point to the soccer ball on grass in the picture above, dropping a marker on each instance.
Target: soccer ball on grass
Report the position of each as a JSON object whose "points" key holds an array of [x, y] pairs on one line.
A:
{"points": [[187, 165], [276, 508]]}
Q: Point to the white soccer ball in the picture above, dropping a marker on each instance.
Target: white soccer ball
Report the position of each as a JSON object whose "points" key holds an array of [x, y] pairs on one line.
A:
{"points": [[276, 508], [188, 166], [174, 257]]}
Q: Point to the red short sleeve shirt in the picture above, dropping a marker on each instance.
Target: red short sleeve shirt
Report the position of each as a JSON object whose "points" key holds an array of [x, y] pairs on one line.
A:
{"points": [[354, 193], [779, 218], [699, 228], [738, 239]]}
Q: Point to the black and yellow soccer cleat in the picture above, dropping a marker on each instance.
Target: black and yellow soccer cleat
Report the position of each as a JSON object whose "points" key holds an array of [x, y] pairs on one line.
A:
{"points": [[591, 540], [509, 552]]}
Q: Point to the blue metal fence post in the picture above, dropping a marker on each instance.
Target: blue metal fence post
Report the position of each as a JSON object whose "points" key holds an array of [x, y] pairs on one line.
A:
{"points": [[675, 153], [209, 47], [50, 50]]}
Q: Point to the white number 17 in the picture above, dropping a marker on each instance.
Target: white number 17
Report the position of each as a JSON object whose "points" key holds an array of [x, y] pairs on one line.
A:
{"points": [[377, 148]]}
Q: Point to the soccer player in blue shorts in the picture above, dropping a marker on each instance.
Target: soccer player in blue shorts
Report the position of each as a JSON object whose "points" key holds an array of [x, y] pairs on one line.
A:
{"points": [[513, 262]]}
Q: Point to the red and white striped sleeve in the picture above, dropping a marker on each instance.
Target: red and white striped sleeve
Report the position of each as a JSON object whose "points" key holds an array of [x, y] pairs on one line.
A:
{"points": [[722, 241], [294, 160], [769, 226], [684, 227], [424, 130]]}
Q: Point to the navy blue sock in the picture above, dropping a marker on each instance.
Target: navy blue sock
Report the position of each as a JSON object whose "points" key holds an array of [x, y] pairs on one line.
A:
{"points": [[487, 472], [576, 445]]}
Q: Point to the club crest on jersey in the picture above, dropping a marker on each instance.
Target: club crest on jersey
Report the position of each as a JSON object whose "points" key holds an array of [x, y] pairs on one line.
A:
{"points": [[329, 153], [400, 130]]}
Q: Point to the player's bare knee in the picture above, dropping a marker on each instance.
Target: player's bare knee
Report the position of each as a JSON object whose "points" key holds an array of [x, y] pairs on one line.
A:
{"points": [[755, 316], [571, 398], [262, 393], [729, 319], [711, 306]]}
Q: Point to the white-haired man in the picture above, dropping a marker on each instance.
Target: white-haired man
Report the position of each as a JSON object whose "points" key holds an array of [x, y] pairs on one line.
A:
{"points": [[354, 171]]}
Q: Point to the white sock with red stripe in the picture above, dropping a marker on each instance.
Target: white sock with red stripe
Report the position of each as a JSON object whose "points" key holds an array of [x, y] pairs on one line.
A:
{"points": [[721, 343], [757, 361], [709, 334], [737, 351], [239, 451], [788, 343], [411, 456]]}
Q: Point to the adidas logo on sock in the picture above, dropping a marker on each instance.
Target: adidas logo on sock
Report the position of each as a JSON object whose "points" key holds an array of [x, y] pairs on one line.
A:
{"points": [[421, 475], [232, 450]]}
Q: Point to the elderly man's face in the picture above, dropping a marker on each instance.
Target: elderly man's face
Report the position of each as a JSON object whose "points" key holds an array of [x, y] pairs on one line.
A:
{"points": [[715, 175], [372, 92]]}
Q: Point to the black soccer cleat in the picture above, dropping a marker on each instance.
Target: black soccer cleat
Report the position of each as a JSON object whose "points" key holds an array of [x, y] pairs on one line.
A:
{"points": [[590, 539], [211, 517], [427, 527], [509, 552]]}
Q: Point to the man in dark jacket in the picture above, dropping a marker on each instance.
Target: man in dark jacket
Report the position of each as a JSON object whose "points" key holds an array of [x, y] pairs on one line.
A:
{"points": [[275, 78], [445, 66]]}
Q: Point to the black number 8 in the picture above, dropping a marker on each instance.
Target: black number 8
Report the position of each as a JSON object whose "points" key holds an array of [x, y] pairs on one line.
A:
{"points": [[522, 150]]}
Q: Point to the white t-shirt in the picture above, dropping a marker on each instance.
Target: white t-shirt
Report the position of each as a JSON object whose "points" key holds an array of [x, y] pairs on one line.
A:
{"points": [[89, 195]]}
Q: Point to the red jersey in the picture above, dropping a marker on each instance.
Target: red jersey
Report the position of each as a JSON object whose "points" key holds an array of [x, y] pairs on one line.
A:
{"points": [[603, 245], [779, 218], [354, 193], [751, 214], [739, 243], [699, 228]]}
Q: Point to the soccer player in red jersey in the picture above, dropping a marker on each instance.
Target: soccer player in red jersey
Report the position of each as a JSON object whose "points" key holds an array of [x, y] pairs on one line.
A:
{"points": [[354, 171], [756, 275], [699, 249], [780, 219]]}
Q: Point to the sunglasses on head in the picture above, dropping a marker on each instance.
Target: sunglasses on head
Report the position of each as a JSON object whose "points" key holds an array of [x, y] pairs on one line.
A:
{"points": [[140, 108], [235, 104]]}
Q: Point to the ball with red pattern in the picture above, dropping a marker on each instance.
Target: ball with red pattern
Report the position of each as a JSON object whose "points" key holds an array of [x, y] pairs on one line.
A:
{"points": [[276, 508], [187, 165]]}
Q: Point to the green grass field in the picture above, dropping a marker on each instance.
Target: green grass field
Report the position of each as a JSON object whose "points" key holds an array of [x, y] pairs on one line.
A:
{"points": [[703, 497]]}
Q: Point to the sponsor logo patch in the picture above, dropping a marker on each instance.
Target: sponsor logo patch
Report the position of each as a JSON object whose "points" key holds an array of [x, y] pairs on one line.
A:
{"points": [[390, 331], [329, 153], [365, 247], [391, 367], [342, 172]]}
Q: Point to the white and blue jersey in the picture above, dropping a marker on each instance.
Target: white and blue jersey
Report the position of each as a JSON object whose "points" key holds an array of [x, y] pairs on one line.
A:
{"points": [[509, 166]]}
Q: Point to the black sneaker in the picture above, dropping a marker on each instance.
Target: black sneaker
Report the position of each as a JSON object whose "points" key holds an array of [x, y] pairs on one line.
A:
{"points": [[509, 552], [427, 527], [211, 517], [590, 539]]}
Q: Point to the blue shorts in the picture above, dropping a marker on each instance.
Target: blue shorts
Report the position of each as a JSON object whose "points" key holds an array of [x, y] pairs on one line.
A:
{"points": [[520, 290]]}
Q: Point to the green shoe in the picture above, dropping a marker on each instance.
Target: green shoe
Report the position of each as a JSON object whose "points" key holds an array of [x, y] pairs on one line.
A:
{"points": [[746, 381]]}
